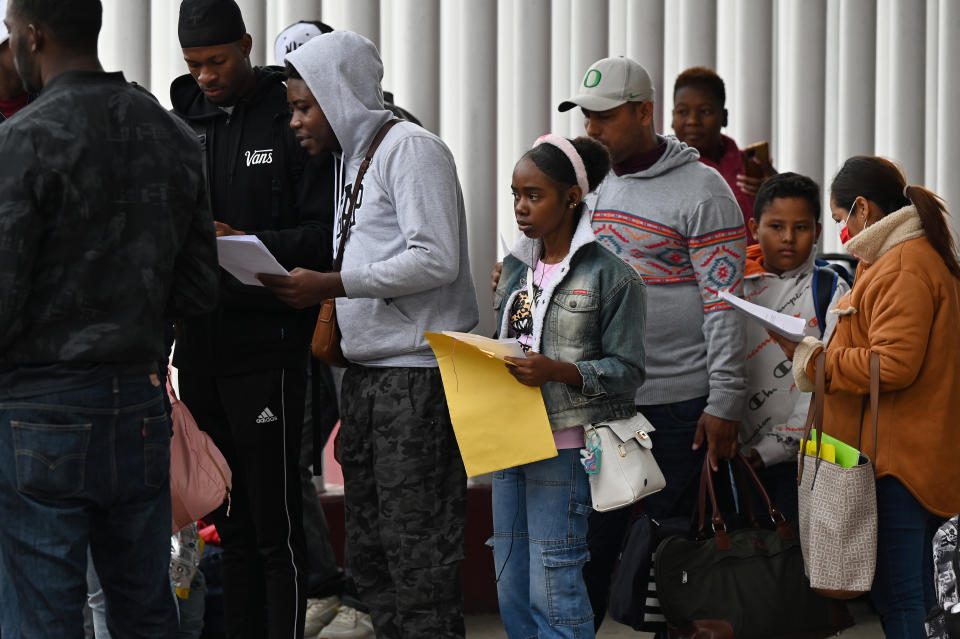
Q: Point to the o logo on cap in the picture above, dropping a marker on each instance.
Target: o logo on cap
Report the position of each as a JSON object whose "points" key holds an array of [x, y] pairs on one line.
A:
{"points": [[592, 78]]}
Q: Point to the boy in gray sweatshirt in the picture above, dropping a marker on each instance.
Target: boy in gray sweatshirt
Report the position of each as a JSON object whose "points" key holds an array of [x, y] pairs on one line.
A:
{"points": [[405, 271]]}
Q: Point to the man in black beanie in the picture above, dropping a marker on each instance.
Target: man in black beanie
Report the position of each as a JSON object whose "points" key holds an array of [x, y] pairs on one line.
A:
{"points": [[243, 366]]}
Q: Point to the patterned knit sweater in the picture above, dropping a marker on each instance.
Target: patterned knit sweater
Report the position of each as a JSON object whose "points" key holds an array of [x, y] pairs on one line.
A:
{"points": [[679, 225]]}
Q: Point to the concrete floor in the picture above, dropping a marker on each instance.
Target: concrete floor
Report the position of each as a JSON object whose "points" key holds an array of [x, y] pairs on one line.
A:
{"points": [[489, 627]]}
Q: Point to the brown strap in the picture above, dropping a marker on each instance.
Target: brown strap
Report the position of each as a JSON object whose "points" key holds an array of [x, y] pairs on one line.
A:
{"points": [[815, 416], [875, 398], [775, 515], [347, 220], [716, 521]]}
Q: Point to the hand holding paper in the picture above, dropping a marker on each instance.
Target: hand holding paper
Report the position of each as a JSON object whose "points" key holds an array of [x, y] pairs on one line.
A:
{"points": [[243, 256]]}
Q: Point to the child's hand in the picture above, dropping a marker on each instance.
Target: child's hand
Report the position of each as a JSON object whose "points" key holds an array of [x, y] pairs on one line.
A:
{"points": [[536, 370]]}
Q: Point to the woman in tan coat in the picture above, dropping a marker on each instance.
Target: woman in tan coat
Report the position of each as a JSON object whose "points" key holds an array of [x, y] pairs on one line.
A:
{"points": [[904, 306]]}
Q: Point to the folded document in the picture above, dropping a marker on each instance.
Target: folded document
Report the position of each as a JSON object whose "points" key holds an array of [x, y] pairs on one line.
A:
{"points": [[786, 325], [243, 256]]}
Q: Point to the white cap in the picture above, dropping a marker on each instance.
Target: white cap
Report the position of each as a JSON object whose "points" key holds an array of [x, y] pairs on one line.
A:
{"points": [[610, 82], [4, 34], [293, 37]]}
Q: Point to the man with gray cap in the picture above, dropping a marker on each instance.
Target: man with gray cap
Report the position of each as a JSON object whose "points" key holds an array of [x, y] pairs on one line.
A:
{"points": [[12, 95], [676, 221], [243, 366]]}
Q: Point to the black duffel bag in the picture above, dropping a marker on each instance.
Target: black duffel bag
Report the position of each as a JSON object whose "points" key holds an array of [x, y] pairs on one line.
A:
{"points": [[752, 578]]}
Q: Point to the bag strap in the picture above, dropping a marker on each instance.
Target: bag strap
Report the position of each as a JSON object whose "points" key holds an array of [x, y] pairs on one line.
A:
{"points": [[776, 517], [355, 193], [875, 399], [815, 416], [716, 521]]}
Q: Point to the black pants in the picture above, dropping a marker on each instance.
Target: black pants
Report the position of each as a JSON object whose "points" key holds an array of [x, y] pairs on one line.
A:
{"points": [[324, 577], [405, 498], [256, 420]]}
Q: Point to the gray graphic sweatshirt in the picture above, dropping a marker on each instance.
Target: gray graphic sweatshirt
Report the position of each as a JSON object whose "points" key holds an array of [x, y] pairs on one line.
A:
{"points": [[678, 224], [406, 267]]}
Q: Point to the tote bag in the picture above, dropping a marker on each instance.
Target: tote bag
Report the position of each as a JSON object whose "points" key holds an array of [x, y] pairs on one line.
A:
{"points": [[838, 505]]}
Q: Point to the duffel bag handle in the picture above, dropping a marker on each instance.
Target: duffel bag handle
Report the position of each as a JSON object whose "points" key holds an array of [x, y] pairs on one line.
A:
{"points": [[776, 517], [716, 520]]}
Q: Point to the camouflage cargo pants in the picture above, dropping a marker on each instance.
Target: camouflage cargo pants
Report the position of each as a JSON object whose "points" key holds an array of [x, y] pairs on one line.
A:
{"points": [[405, 499]]}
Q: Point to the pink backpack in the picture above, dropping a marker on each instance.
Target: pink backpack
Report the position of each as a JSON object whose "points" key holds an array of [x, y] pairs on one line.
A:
{"points": [[200, 478]]}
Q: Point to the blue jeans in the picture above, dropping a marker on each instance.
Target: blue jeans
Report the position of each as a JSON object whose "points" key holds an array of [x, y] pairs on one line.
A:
{"points": [[539, 547], [903, 589], [87, 467], [190, 610]]}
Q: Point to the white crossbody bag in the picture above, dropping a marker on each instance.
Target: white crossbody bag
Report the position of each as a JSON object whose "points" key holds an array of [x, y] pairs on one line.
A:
{"points": [[619, 462]]}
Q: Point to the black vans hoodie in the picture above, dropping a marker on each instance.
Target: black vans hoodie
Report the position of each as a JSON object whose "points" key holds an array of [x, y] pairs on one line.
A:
{"points": [[263, 183]]}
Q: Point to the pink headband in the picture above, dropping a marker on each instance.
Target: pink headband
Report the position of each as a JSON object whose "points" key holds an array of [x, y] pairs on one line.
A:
{"points": [[564, 145]]}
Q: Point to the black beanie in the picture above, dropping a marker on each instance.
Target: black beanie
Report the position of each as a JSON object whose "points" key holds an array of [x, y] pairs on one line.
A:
{"points": [[208, 23]]}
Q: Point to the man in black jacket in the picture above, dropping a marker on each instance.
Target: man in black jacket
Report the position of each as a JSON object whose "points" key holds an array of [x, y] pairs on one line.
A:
{"points": [[105, 236], [242, 367]]}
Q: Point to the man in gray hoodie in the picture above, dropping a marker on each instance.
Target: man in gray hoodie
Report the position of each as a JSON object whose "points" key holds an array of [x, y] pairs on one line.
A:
{"points": [[405, 271]]}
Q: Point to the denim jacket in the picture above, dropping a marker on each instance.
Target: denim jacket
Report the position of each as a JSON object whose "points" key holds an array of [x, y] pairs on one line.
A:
{"points": [[593, 317]]}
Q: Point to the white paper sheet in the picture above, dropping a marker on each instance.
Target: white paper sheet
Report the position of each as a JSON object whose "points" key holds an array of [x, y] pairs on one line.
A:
{"points": [[786, 325], [245, 255], [498, 348]]}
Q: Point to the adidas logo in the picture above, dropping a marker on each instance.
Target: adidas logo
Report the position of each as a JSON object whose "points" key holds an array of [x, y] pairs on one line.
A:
{"points": [[266, 416]]}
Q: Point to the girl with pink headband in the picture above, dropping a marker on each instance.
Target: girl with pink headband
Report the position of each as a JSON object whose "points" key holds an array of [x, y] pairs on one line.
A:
{"points": [[578, 310]]}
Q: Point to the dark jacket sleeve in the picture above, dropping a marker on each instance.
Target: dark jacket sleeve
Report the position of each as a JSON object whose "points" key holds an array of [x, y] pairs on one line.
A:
{"points": [[195, 271]]}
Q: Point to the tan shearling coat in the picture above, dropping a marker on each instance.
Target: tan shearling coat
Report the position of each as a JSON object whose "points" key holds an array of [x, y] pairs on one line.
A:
{"points": [[904, 306]]}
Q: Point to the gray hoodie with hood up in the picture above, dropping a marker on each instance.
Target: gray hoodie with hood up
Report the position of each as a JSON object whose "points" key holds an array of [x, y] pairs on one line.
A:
{"points": [[406, 267]]}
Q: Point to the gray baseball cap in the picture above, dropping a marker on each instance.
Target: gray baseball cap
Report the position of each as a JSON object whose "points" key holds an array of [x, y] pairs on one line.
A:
{"points": [[610, 82]]}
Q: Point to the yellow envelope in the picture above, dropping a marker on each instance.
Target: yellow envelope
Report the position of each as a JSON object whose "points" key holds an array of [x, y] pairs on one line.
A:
{"points": [[498, 422]]}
